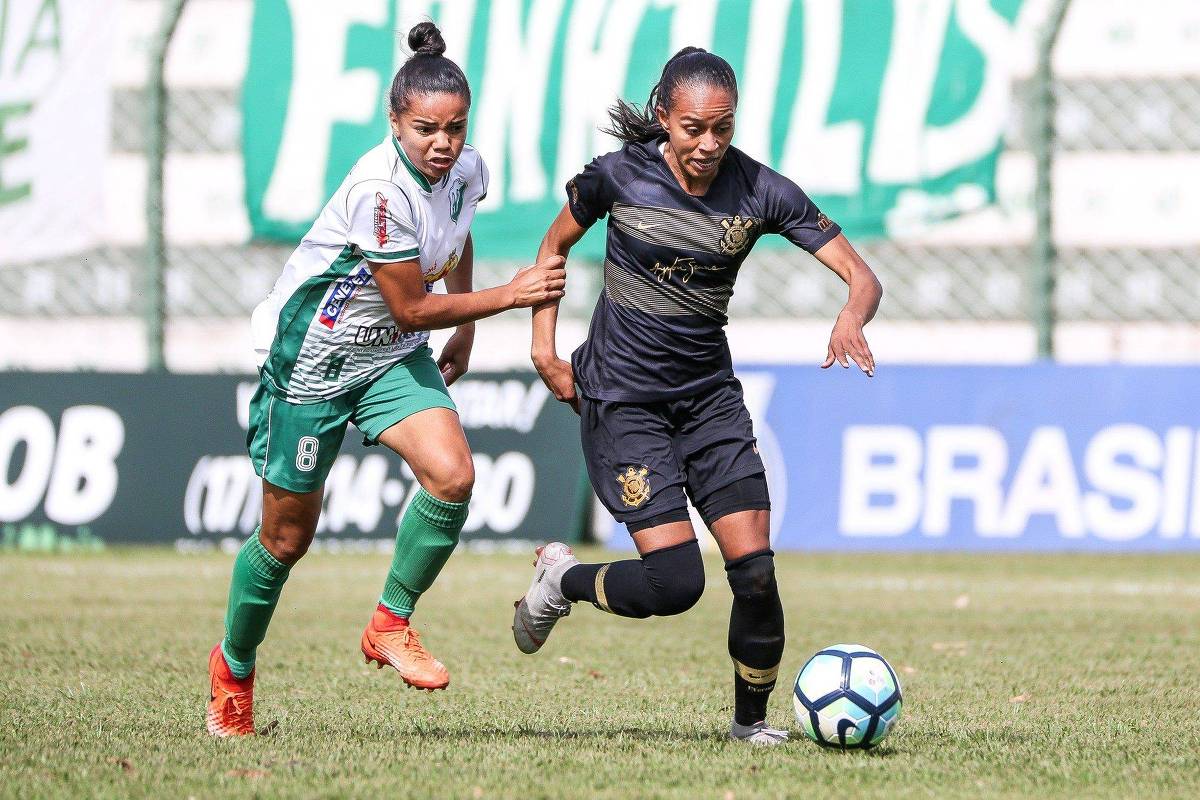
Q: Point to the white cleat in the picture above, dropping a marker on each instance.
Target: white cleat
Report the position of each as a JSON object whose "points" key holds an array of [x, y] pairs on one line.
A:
{"points": [[544, 604], [758, 734]]}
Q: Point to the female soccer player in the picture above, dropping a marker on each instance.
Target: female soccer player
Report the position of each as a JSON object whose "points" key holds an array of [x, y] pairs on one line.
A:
{"points": [[342, 338], [661, 411]]}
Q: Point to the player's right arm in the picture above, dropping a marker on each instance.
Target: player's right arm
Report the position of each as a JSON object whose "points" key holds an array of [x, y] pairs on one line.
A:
{"points": [[403, 289], [590, 196], [555, 372], [381, 225]]}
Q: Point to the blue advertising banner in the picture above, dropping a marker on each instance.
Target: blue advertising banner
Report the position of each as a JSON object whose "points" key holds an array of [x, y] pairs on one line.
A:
{"points": [[1039, 457]]}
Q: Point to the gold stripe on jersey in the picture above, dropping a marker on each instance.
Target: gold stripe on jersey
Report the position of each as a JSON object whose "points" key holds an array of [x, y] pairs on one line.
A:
{"points": [[662, 298], [676, 228]]}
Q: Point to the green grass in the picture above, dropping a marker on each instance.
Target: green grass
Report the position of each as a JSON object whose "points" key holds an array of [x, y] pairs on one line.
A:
{"points": [[1023, 676]]}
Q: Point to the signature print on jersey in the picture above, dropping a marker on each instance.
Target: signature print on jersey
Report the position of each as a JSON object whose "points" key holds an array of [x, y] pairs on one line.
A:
{"points": [[737, 234], [635, 485], [686, 267]]}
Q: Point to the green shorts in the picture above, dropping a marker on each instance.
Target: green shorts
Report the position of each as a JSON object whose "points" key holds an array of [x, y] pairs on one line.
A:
{"points": [[293, 446]]}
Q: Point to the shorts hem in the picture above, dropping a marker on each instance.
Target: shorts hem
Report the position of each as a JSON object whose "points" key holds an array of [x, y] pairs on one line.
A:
{"points": [[726, 480], [748, 505], [371, 437]]}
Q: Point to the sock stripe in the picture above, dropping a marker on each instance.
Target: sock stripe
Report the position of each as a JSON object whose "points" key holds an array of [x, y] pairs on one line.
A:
{"points": [[757, 677], [601, 597]]}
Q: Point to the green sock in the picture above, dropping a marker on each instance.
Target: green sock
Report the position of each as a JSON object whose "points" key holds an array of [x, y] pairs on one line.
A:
{"points": [[428, 535], [258, 578]]}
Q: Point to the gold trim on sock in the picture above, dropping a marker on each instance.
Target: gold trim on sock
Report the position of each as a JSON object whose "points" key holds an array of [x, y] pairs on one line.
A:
{"points": [[601, 598], [757, 677]]}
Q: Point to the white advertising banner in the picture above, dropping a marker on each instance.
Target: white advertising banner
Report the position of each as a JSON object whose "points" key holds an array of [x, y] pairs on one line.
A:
{"points": [[54, 125]]}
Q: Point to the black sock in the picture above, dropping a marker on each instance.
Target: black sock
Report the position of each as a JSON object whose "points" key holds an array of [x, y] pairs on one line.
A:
{"points": [[755, 634], [660, 583]]}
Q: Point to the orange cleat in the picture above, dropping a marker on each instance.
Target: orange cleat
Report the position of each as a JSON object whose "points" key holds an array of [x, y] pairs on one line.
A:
{"points": [[390, 640], [230, 699]]}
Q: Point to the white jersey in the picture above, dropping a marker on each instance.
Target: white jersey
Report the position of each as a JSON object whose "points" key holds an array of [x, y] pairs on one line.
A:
{"points": [[324, 329]]}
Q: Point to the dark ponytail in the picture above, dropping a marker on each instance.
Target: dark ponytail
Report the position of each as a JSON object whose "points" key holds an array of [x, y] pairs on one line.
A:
{"points": [[690, 66], [427, 71]]}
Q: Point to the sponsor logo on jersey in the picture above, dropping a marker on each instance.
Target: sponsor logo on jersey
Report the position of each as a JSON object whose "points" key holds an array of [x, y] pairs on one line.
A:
{"points": [[340, 294], [824, 223], [381, 233], [635, 485], [737, 234], [381, 335]]}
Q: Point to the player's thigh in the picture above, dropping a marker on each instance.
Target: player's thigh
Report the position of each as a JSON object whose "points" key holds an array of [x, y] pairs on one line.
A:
{"points": [[408, 410], [434, 446], [632, 464], [293, 446], [742, 533]]}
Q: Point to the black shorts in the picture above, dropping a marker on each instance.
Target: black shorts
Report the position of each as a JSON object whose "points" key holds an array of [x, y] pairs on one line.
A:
{"points": [[642, 457]]}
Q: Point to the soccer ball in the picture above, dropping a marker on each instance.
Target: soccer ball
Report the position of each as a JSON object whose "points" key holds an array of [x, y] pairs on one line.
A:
{"points": [[847, 696]]}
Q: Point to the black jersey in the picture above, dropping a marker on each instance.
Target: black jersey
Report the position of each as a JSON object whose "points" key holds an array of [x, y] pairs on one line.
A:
{"points": [[671, 259]]}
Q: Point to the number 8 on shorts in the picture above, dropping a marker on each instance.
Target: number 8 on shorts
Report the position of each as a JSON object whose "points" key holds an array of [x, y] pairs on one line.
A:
{"points": [[306, 453]]}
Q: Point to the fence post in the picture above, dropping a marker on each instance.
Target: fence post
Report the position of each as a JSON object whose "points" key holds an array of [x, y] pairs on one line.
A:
{"points": [[154, 283], [1042, 135]]}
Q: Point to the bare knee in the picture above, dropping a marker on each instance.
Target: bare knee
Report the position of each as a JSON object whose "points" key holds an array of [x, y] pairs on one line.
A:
{"points": [[452, 480], [286, 540]]}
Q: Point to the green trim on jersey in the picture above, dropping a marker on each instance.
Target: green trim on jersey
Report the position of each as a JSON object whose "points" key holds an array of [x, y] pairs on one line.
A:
{"points": [[402, 255], [297, 314], [416, 174]]}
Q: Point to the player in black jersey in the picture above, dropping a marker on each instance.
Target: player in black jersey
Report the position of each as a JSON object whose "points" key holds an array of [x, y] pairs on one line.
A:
{"points": [[661, 411]]}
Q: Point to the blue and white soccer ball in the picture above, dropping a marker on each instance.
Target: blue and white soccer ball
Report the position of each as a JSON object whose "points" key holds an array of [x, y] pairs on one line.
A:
{"points": [[847, 696]]}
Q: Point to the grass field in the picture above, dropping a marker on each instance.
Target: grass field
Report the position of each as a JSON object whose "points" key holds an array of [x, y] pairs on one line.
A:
{"points": [[1023, 676]]}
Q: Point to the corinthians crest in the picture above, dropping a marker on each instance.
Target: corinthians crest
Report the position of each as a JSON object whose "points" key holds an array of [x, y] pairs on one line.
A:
{"points": [[635, 486], [737, 234]]}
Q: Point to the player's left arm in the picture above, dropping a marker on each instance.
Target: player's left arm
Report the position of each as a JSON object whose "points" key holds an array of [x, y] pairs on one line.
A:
{"points": [[456, 355], [847, 340]]}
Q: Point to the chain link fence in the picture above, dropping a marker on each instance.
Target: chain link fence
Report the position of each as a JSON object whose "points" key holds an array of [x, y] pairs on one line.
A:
{"points": [[982, 277]]}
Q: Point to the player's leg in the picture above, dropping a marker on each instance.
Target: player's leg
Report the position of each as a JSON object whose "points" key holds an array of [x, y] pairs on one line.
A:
{"points": [[409, 411], [728, 483], [292, 447], [635, 471]]}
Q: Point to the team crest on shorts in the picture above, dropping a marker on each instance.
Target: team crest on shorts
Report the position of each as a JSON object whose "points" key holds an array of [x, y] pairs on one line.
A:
{"points": [[737, 234], [635, 486]]}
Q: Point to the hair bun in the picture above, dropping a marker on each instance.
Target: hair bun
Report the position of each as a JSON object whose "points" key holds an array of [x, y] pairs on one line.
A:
{"points": [[687, 51], [426, 40]]}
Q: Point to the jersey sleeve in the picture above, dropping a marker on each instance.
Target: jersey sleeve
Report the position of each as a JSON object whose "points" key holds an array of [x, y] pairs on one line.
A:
{"points": [[480, 187], [792, 214], [381, 222], [591, 193]]}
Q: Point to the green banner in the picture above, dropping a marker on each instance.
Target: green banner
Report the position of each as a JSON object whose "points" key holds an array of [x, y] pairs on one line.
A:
{"points": [[888, 112]]}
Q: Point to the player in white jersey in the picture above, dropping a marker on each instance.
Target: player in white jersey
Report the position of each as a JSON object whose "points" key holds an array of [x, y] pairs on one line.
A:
{"points": [[341, 338]]}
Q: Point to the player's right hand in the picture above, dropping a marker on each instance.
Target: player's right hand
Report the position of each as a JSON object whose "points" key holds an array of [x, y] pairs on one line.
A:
{"points": [[540, 283], [560, 380]]}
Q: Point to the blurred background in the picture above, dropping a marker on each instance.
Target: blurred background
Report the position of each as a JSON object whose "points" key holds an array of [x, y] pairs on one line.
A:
{"points": [[1023, 175]]}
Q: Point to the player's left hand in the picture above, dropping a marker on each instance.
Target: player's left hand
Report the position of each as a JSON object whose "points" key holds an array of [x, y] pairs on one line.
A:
{"points": [[847, 343], [456, 354]]}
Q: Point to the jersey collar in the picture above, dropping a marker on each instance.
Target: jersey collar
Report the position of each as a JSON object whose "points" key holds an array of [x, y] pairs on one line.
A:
{"points": [[416, 174]]}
